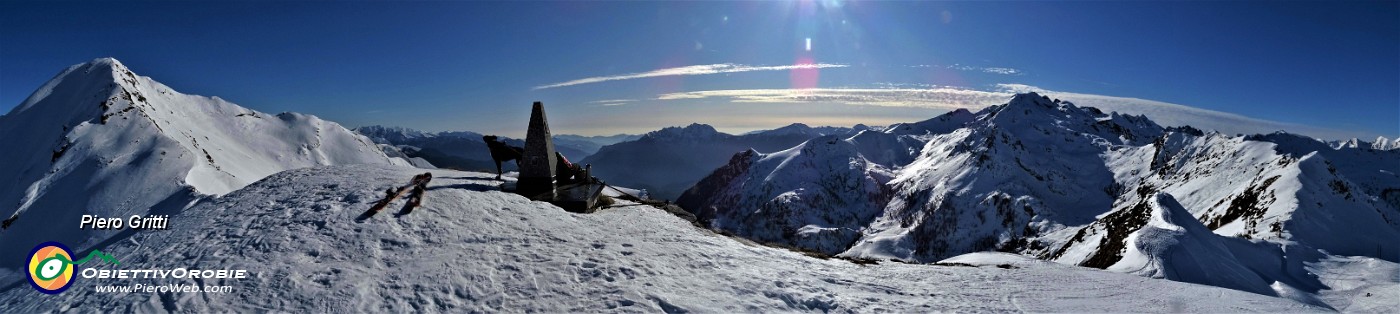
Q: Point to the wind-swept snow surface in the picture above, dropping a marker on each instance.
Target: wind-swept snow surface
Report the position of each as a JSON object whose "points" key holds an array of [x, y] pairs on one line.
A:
{"points": [[471, 248]]}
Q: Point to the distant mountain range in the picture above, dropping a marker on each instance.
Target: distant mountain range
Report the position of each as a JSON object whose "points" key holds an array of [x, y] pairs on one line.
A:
{"points": [[670, 160], [1381, 143], [665, 162], [465, 150], [1073, 185]]}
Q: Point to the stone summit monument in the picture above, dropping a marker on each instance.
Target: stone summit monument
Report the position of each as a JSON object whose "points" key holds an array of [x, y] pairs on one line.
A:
{"points": [[538, 162]]}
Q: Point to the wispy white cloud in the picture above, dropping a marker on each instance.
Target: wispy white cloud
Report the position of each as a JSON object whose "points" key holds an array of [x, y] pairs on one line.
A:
{"points": [[940, 97], [692, 70], [948, 98], [1005, 71], [612, 102], [959, 67]]}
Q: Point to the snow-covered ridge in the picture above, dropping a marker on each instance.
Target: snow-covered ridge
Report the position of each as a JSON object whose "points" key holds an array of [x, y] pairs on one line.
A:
{"points": [[99, 139]]}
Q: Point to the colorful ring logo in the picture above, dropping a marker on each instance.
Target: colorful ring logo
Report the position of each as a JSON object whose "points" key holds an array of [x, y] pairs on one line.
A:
{"points": [[51, 268]]}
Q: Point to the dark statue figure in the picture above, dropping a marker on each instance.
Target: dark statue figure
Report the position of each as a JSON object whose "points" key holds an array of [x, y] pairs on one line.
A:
{"points": [[501, 152]]}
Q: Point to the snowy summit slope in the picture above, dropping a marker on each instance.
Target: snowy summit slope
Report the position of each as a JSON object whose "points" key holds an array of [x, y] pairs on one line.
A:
{"points": [[99, 139], [470, 248]]}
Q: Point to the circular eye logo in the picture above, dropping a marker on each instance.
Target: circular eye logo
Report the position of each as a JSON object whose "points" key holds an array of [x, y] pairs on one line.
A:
{"points": [[51, 268]]}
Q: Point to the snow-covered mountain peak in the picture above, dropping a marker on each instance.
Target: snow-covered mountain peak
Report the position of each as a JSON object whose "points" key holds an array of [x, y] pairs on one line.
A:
{"points": [[829, 145], [99, 139], [106, 64], [392, 134], [1030, 99], [1291, 144], [822, 188], [1352, 143], [1381, 143], [694, 131], [944, 123], [1036, 116], [1168, 214], [1171, 244], [803, 130], [95, 78], [1031, 116], [695, 128], [1040, 106], [795, 128], [827, 151]]}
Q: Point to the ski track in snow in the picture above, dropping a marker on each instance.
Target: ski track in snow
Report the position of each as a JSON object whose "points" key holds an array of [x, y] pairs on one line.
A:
{"points": [[471, 248]]}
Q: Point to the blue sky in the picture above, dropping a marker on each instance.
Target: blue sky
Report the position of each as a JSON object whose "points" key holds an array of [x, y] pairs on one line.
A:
{"points": [[1328, 69]]}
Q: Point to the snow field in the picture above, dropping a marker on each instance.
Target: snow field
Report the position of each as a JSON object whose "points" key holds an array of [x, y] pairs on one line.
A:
{"points": [[471, 248]]}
